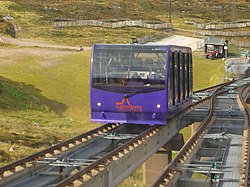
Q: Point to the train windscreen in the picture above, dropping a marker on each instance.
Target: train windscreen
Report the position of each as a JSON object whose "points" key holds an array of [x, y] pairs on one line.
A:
{"points": [[129, 68]]}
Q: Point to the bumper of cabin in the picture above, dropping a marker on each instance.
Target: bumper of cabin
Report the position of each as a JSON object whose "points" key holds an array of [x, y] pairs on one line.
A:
{"points": [[149, 118]]}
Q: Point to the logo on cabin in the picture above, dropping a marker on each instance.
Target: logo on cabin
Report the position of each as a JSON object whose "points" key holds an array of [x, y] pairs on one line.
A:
{"points": [[125, 106]]}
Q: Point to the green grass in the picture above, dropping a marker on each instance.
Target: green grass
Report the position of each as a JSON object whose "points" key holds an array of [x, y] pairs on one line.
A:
{"points": [[28, 131], [91, 35], [206, 72], [43, 100], [27, 124], [63, 85]]}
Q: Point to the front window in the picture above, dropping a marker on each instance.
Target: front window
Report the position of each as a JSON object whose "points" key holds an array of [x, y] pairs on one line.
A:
{"points": [[129, 68]]}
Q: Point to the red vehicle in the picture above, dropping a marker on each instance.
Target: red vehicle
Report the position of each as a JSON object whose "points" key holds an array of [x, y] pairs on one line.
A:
{"points": [[213, 54]]}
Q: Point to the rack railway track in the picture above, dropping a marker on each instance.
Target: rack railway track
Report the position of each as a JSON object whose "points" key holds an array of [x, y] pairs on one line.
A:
{"points": [[26, 165], [183, 160], [71, 171], [245, 174]]}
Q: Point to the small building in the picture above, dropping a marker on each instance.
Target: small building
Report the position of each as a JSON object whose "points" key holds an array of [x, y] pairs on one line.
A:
{"points": [[216, 45]]}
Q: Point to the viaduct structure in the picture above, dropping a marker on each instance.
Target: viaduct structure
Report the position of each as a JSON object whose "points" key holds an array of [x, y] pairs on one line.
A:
{"points": [[218, 150]]}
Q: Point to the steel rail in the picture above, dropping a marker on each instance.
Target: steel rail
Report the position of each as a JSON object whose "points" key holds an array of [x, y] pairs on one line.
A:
{"points": [[192, 106], [100, 164], [169, 173], [245, 172], [182, 155], [26, 163], [204, 100], [215, 86], [85, 174], [22, 164]]}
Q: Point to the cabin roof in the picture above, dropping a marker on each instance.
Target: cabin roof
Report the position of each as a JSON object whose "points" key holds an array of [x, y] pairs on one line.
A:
{"points": [[214, 41]]}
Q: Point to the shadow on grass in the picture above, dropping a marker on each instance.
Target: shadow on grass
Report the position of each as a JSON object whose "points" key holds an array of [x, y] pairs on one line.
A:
{"points": [[18, 96]]}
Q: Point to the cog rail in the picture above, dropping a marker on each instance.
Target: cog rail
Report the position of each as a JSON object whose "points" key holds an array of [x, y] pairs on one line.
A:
{"points": [[99, 166], [172, 172], [26, 163], [84, 175], [245, 174], [166, 178]]}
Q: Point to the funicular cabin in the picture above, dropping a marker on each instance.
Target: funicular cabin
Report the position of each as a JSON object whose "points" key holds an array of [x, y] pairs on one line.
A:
{"points": [[139, 84]]}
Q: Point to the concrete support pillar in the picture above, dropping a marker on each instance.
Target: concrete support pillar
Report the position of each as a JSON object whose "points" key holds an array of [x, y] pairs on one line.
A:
{"points": [[154, 166]]}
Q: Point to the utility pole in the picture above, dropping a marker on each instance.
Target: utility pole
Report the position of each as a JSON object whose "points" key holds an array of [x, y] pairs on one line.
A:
{"points": [[170, 9], [170, 19]]}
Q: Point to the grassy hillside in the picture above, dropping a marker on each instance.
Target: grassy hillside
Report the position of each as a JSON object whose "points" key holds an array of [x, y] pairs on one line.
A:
{"points": [[206, 72], [27, 125], [138, 9], [40, 95], [35, 17]]}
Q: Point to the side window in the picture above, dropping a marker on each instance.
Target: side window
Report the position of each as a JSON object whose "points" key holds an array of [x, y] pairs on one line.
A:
{"points": [[188, 74], [179, 77], [170, 81], [174, 79], [183, 74]]}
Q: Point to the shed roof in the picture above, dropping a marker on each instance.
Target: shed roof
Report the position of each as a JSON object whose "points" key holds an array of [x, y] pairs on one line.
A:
{"points": [[215, 41]]}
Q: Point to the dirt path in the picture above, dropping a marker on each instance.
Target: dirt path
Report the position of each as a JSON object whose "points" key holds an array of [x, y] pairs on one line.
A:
{"points": [[194, 43], [45, 56], [49, 52], [33, 43]]}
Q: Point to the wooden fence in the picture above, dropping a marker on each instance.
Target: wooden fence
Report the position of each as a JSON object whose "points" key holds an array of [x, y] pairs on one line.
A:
{"points": [[240, 43], [211, 29], [154, 37], [223, 25], [98, 23], [222, 33]]}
